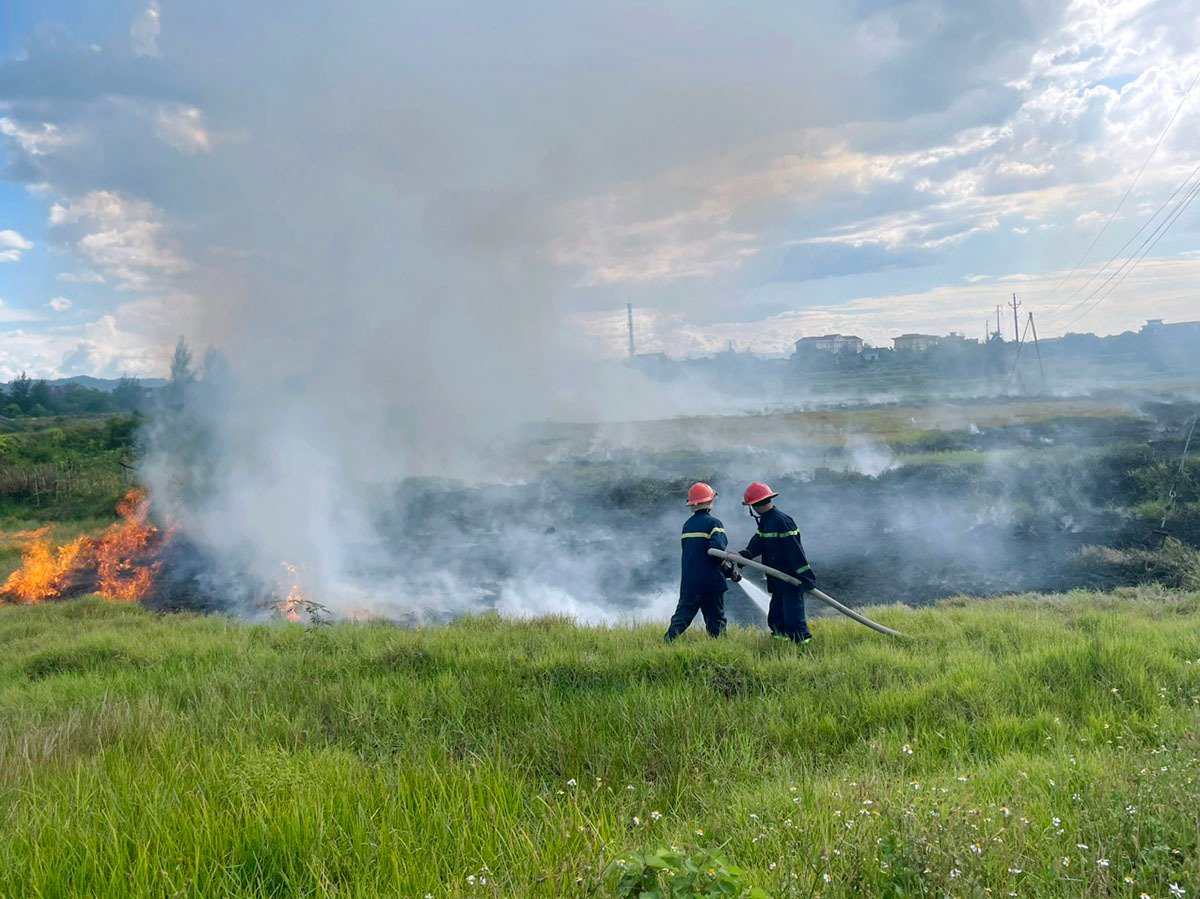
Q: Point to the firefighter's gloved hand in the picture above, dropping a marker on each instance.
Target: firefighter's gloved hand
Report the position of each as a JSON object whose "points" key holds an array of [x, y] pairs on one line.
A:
{"points": [[731, 571]]}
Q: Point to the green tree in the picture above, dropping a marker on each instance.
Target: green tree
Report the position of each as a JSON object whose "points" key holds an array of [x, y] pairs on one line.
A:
{"points": [[182, 375], [19, 391], [40, 395], [129, 394]]}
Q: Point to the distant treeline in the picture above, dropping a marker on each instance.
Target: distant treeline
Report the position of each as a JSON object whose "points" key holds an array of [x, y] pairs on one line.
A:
{"points": [[25, 397]]}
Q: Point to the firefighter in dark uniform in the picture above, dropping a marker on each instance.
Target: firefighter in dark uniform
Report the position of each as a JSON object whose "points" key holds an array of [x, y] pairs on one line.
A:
{"points": [[777, 541], [702, 583]]}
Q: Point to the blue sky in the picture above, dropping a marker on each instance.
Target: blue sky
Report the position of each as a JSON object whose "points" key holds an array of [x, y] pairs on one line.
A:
{"points": [[224, 169]]}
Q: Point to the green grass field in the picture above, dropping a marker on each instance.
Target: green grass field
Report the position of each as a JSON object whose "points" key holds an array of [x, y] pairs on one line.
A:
{"points": [[1032, 747]]}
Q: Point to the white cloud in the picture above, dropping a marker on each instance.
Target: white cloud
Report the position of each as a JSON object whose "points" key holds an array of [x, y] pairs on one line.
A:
{"points": [[121, 237], [85, 276], [12, 245], [36, 141], [182, 128], [145, 30], [59, 304]]}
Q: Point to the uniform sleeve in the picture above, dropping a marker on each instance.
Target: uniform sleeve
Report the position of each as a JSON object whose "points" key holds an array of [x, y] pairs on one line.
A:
{"points": [[754, 548], [799, 562], [717, 539]]}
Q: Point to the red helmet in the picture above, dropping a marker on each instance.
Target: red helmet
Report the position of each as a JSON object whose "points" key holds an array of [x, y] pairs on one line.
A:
{"points": [[756, 493], [700, 493]]}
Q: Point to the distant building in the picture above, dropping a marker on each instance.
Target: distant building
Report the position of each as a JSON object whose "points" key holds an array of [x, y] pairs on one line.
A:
{"points": [[915, 343], [1155, 327], [837, 344], [956, 339]]}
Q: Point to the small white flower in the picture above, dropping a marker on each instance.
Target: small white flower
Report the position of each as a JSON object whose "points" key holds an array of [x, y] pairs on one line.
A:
{"points": [[637, 821], [656, 816], [1102, 863], [1066, 861], [1177, 891], [1056, 821], [906, 749], [976, 849], [629, 789], [753, 817], [471, 879], [827, 878], [1128, 879], [699, 833], [572, 782], [772, 866], [1082, 847], [954, 872], [961, 779], [1014, 870]]}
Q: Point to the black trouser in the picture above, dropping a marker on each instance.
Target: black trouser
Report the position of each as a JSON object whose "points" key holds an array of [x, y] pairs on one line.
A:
{"points": [[712, 605], [786, 615]]}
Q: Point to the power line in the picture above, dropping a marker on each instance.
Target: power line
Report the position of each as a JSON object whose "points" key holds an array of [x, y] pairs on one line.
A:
{"points": [[1050, 316], [1125, 196], [1134, 260]]}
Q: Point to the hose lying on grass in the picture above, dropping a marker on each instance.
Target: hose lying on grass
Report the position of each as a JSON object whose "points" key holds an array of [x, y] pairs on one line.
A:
{"points": [[825, 598]]}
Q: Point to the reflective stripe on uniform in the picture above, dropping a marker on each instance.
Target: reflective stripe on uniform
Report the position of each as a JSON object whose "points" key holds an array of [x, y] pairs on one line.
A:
{"points": [[781, 534], [804, 569], [705, 535]]}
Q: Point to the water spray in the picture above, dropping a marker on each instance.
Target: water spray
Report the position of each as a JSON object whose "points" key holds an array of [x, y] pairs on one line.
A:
{"points": [[825, 598]]}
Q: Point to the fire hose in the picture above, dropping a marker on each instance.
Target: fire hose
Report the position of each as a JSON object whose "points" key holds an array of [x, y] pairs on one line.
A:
{"points": [[736, 559]]}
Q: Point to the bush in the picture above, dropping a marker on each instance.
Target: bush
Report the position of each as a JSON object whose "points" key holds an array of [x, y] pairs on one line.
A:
{"points": [[676, 873]]}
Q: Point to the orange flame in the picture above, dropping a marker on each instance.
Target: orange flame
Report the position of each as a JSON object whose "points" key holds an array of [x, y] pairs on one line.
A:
{"points": [[122, 547], [44, 572], [121, 558], [289, 606]]}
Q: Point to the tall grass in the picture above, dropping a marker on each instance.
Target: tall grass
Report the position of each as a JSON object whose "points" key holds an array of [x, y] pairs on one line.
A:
{"points": [[1042, 747]]}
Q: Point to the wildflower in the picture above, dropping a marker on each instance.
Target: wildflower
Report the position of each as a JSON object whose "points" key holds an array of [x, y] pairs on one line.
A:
{"points": [[906, 749], [483, 881], [572, 782], [637, 821], [621, 863], [1056, 821], [1014, 870], [1004, 808], [1144, 896], [1082, 847], [471, 880], [976, 849], [629, 789], [655, 816], [1066, 860], [772, 866], [1177, 891], [1128, 879], [954, 872], [559, 793], [961, 779], [837, 813], [699, 833], [753, 817], [827, 878], [1114, 691], [1102, 863]]}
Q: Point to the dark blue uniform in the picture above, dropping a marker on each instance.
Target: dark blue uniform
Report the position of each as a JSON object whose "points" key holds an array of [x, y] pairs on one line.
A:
{"points": [[778, 542], [702, 584]]}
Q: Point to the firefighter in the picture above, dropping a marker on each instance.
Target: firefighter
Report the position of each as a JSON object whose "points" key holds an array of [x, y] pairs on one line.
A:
{"points": [[777, 541], [702, 583]]}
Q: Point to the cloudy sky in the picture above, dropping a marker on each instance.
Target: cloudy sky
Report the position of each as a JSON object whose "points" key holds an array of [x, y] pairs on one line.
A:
{"points": [[738, 172]]}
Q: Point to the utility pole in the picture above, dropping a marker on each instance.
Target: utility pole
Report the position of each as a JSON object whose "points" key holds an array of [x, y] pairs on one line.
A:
{"points": [[1016, 325], [987, 327], [629, 315], [998, 320], [1037, 347]]}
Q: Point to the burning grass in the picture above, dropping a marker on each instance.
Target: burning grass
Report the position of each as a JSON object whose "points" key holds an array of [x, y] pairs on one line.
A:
{"points": [[1043, 746], [119, 564]]}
